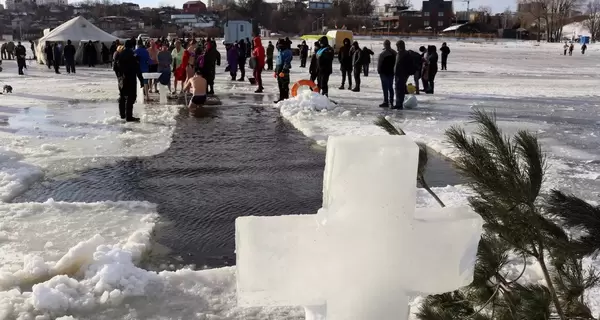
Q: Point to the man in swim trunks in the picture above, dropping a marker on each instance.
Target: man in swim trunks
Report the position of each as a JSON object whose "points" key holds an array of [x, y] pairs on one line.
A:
{"points": [[197, 84]]}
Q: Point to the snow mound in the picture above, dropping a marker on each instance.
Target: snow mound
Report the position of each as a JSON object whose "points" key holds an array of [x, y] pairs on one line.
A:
{"points": [[15, 175], [99, 270], [305, 103]]}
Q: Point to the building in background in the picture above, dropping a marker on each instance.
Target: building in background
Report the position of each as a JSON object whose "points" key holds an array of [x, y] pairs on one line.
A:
{"points": [[437, 14], [52, 2], [194, 7], [17, 4], [402, 19]]}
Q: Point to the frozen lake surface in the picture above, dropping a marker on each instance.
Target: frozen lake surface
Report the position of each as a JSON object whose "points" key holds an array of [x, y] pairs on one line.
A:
{"points": [[60, 137]]}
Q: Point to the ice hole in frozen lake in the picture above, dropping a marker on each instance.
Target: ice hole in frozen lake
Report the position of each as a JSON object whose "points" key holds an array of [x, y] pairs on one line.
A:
{"points": [[245, 161]]}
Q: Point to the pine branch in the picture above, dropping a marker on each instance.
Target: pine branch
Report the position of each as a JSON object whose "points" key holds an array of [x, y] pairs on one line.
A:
{"points": [[575, 213], [384, 124]]}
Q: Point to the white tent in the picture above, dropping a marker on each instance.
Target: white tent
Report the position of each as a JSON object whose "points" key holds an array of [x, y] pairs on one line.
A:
{"points": [[79, 31]]}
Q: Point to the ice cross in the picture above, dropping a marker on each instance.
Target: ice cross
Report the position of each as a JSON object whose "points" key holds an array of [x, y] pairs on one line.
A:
{"points": [[364, 252]]}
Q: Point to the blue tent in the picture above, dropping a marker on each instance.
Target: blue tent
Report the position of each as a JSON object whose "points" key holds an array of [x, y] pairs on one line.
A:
{"points": [[584, 39]]}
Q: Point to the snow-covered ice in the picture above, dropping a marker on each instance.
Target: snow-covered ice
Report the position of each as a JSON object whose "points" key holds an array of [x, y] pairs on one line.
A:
{"points": [[78, 261]]}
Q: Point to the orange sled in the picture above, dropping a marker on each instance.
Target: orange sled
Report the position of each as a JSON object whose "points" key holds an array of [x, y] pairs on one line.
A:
{"points": [[302, 83]]}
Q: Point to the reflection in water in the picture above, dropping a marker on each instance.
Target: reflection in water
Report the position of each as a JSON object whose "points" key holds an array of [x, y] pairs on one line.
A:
{"points": [[232, 161]]}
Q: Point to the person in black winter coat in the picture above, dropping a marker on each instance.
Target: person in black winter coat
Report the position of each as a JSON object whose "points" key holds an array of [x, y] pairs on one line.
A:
{"points": [[303, 54], [356, 65], [366, 56], [325, 57], [57, 57], [69, 53], [32, 48], [211, 57], [49, 55], [127, 68], [445, 50], [248, 48], [105, 53], [20, 53], [270, 51], [345, 59], [91, 53], [385, 68], [312, 68], [242, 56], [431, 62], [418, 61], [403, 69]]}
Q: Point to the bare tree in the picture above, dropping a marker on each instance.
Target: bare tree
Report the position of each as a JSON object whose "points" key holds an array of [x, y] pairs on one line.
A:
{"points": [[402, 3], [593, 19], [548, 15], [485, 9]]}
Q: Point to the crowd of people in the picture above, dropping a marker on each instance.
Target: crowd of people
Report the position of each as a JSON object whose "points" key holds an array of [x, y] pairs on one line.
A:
{"points": [[571, 46]]}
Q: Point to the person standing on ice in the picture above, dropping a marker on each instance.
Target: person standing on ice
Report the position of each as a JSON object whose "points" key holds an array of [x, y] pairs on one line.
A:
{"points": [[325, 56], [282, 69], [91, 53], [69, 53], [356, 65], [112, 49], [366, 59], [403, 68], [418, 61], [583, 48], [242, 59], [164, 66], [312, 68], [431, 62], [3, 51], [270, 51], [127, 68], [10, 50], [571, 48], [32, 48], [259, 54], [303, 53], [177, 55], [232, 60], [20, 54], [385, 68], [153, 50], [566, 47], [141, 53], [57, 57], [345, 59], [49, 55], [445, 50], [211, 57]]}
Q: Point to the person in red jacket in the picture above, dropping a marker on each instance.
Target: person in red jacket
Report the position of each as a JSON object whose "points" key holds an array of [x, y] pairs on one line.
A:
{"points": [[259, 55]]}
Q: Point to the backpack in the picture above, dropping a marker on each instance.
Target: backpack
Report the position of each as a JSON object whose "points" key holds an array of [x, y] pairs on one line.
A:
{"points": [[416, 60]]}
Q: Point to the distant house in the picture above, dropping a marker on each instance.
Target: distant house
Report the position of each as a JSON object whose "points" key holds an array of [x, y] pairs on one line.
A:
{"points": [[319, 5], [399, 18], [194, 7], [437, 14], [403, 20], [131, 6]]}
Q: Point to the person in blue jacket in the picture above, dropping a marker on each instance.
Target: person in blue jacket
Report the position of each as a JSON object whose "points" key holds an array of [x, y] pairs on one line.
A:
{"points": [[143, 57], [282, 69]]}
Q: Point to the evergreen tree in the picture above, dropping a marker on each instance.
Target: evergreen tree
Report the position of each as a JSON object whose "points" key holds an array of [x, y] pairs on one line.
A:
{"points": [[506, 176]]}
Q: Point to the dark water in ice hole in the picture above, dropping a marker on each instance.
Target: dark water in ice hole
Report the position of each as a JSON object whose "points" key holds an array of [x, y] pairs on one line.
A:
{"points": [[242, 160]]}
